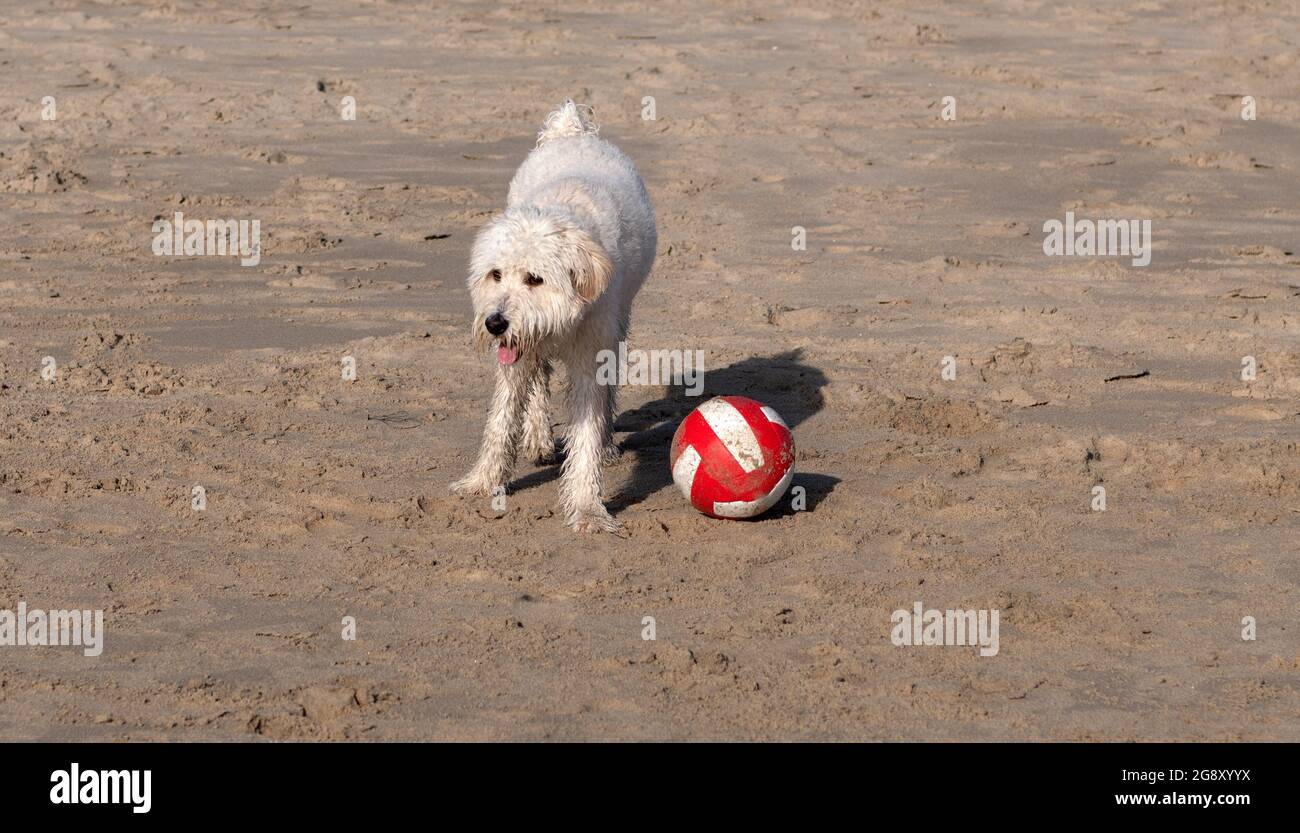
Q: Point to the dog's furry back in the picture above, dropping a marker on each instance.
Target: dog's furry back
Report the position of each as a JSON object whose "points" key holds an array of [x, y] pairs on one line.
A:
{"points": [[575, 168]]}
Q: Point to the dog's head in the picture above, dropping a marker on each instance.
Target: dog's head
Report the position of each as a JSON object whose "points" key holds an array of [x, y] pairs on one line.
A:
{"points": [[532, 276]]}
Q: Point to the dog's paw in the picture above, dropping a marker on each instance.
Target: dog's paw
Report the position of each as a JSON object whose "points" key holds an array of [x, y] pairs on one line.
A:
{"points": [[470, 486], [596, 519]]}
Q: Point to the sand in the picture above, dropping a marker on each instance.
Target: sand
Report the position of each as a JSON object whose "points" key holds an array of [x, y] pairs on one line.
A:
{"points": [[328, 498]]}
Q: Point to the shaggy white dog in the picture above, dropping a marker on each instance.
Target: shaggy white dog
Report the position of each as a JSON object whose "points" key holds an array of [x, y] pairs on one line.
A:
{"points": [[553, 278]]}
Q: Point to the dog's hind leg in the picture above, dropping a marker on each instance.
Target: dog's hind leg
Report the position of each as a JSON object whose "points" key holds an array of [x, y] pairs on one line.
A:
{"points": [[539, 442], [610, 452], [496, 459]]}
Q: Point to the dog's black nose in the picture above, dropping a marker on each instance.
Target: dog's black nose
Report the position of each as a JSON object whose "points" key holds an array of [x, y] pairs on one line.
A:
{"points": [[496, 323]]}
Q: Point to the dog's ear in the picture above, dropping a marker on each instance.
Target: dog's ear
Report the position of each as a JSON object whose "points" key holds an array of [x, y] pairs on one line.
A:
{"points": [[592, 270], [484, 252]]}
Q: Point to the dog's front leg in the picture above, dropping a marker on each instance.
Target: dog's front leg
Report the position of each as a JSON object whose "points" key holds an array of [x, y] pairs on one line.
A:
{"points": [[496, 460], [580, 476]]}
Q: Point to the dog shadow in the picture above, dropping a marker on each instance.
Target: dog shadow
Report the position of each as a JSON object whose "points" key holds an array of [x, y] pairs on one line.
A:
{"points": [[783, 381]]}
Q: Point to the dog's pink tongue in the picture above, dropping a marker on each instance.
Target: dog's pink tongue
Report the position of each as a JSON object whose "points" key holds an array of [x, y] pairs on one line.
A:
{"points": [[507, 355]]}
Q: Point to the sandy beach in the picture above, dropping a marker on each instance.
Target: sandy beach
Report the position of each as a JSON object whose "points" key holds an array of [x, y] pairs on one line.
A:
{"points": [[920, 148]]}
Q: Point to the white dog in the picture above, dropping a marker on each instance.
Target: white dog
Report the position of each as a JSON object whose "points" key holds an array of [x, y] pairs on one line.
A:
{"points": [[553, 278]]}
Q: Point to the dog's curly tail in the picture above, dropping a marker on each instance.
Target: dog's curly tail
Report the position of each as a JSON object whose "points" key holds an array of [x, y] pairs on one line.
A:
{"points": [[570, 120]]}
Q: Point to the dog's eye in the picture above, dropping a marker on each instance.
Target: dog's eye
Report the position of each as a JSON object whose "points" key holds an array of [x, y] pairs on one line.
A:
{"points": [[495, 275], [532, 280]]}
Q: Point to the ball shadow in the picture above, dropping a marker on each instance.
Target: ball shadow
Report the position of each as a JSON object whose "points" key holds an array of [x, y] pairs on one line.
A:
{"points": [[783, 381]]}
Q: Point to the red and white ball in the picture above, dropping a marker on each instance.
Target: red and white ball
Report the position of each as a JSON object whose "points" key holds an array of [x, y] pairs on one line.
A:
{"points": [[733, 457]]}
